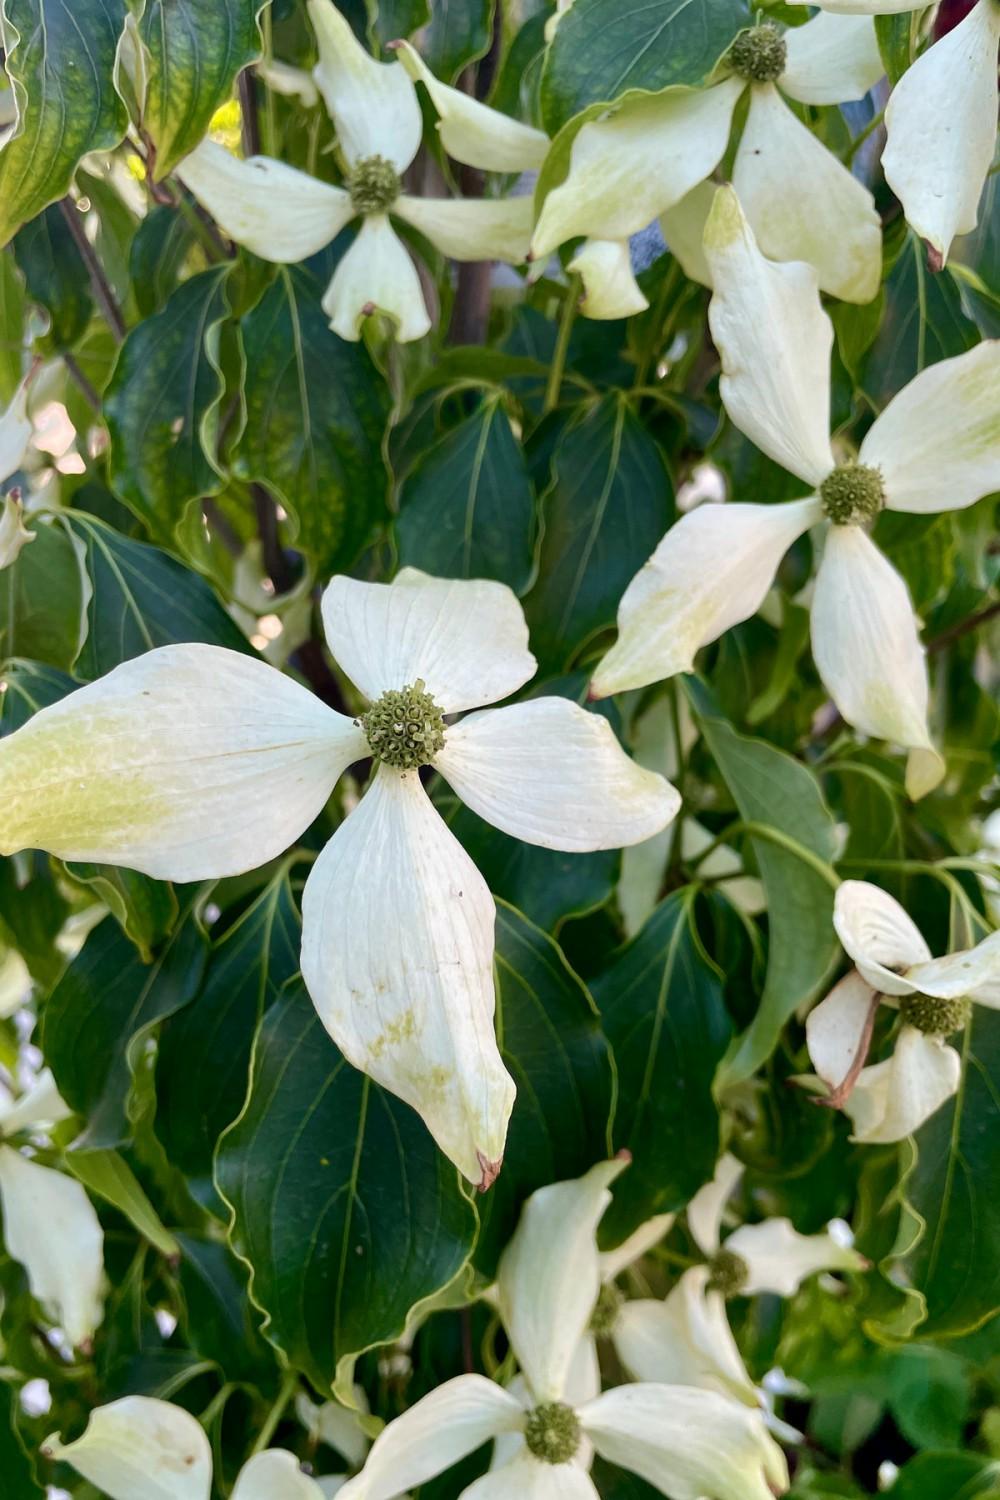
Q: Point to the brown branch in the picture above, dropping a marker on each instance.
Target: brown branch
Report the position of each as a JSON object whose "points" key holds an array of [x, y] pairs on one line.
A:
{"points": [[88, 391], [837, 1098], [963, 627], [99, 282], [249, 120]]}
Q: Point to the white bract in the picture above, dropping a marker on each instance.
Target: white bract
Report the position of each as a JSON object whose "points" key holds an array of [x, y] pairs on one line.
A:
{"points": [[14, 535], [285, 215], [890, 1100], [49, 1224], [647, 154], [193, 762], [935, 447], [687, 1443], [15, 433], [141, 1448], [941, 120]]}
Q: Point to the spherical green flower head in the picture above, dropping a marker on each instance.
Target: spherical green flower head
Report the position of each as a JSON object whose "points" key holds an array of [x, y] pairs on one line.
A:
{"points": [[759, 54], [606, 1309], [404, 728], [728, 1273], [374, 185], [935, 1017], [852, 494], [552, 1432]]}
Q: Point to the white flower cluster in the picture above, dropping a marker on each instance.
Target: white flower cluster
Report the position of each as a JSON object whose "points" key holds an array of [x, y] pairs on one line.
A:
{"points": [[690, 1421]]}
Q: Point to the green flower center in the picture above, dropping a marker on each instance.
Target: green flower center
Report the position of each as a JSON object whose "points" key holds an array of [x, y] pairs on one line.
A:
{"points": [[373, 185], [728, 1273], [552, 1432], [606, 1310], [852, 494], [405, 728], [935, 1017], [759, 54]]}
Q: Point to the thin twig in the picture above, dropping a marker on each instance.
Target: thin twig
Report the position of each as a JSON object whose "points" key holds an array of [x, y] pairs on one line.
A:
{"points": [[963, 627], [249, 121], [103, 294], [88, 391], [557, 368], [837, 1097]]}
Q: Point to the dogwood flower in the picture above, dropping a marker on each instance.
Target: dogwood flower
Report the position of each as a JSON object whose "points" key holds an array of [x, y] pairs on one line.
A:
{"points": [[49, 1224], [935, 447], [890, 1100], [14, 535], [686, 1443], [193, 762], [941, 121], [648, 153], [480, 137], [686, 1338], [141, 1448], [285, 215]]}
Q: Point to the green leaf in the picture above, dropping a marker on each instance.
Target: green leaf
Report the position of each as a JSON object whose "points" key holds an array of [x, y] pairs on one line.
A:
{"points": [[109, 1175], [949, 1189], [947, 1476], [468, 510], [159, 249], [42, 601], [27, 687], [220, 1321], [551, 1041], [770, 788], [924, 322], [459, 32], [929, 1396], [896, 43], [345, 1211], [145, 909], [19, 1482], [204, 1056], [316, 410], [141, 598], [13, 310], [194, 50], [162, 406], [99, 1016], [663, 1012], [609, 504], [61, 60], [55, 277], [599, 51]]}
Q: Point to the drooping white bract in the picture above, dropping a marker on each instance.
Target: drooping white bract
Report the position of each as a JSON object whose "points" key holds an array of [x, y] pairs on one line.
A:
{"points": [[941, 120], [285, 215], [889, 1100], [648, 153], [49, 1224], [15, 433], [479, 137], [686, 1338], [193, 762], [141, 1448], [935, 447], [13, 533], [687, 1443]]}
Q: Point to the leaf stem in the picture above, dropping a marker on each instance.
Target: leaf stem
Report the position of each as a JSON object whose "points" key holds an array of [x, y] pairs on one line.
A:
{"points": [[99, 282], [288, 1387], [859, 140], [566, 319]]}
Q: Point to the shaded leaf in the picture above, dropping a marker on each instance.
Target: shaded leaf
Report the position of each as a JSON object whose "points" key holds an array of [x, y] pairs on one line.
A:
{"points": [[12, 315], [459, 32], [896, 38], [923, 323], [144, 908], [109, 1176], [18, 1476], [41, 602], [55, 277], [220, 1321], [27, 687]]}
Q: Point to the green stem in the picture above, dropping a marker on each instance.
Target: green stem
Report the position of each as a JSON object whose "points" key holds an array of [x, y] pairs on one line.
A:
{"points": [[773, 836], [289, 1386], [566, 320], [859, 140]]}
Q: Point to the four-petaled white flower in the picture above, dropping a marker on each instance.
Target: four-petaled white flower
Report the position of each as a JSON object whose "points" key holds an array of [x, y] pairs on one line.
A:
{"points": [[686, 1338], [890, 1100], [285, 215], [193, 762], [647, 154], [687, 1443], [141, 1448], [49, 1224], [941, 120], [935, 447]]}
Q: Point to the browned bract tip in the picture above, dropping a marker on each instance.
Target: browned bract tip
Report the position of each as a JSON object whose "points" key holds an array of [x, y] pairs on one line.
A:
{"points": [[394, 46], [490, 1171], [529, 257], [623, 1155], [838, 1097], [368, 309], [935, 260], [592, 697]]}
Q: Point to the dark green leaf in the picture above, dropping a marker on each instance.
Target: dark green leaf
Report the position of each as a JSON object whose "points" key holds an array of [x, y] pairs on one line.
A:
{"points": [[663, 1013], [12, 315], [142, 598], [770, 788], [160, 246], [55, 276], [344, 1209], [609, 504], [19, 1482], [599, 51], [896, 38], [467, 510], [41, 600], [61, 60], [109, 1175], [194, 49], [923, 323], [459, 32], [145, 909], [950, 1193], [32, 913], [551, 1040], [947, 1476], [27, 687], [221, 1325], [316, 412], [99, 1015], [929, 1396], [400, 18], [204, 1057], [162, 406]]}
